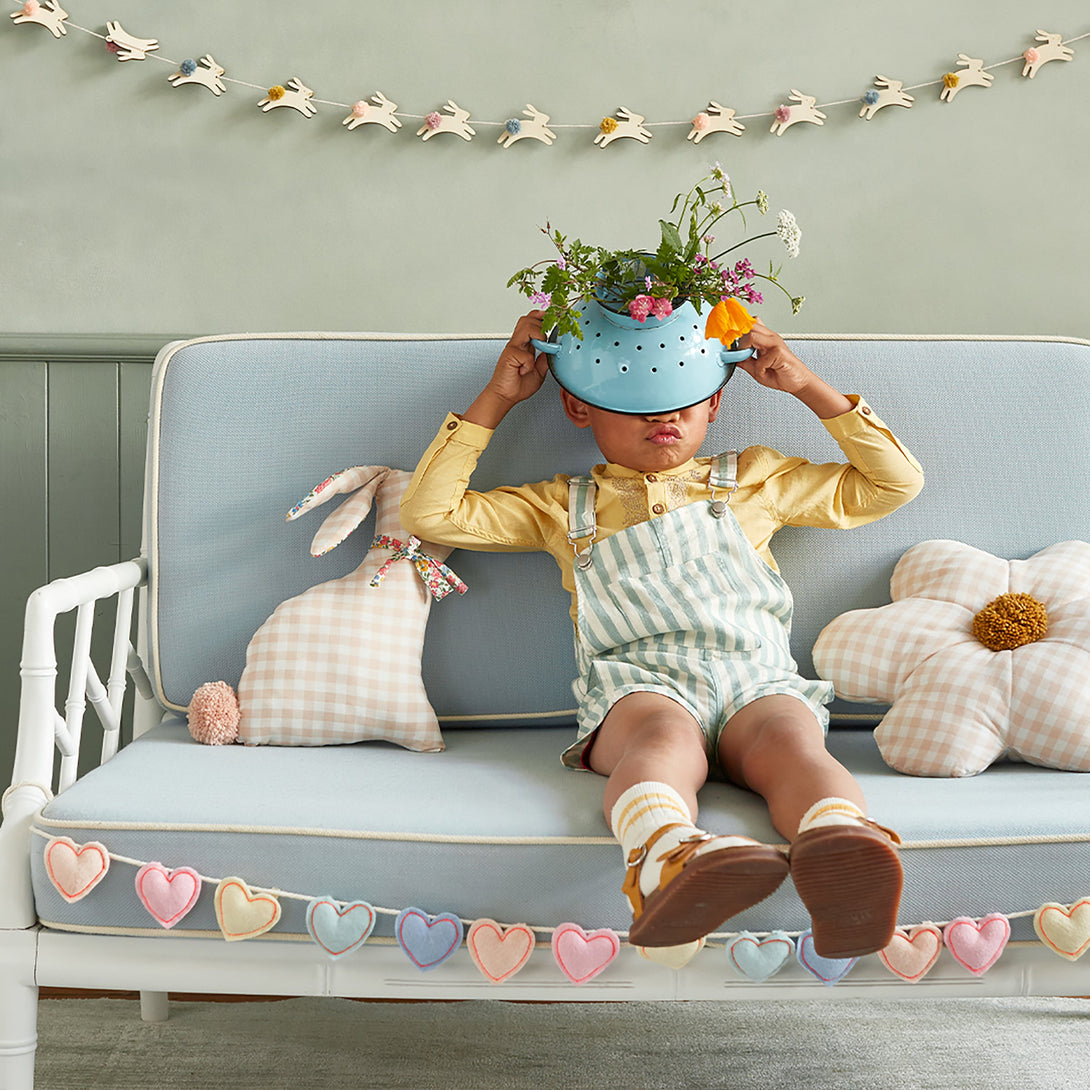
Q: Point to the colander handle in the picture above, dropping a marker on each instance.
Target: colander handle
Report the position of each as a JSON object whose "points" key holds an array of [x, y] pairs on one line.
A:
{"points": [[545, 346], [736, 355]]}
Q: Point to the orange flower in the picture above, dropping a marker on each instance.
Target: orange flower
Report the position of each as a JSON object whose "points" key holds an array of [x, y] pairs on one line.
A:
{"points": [[728, 321]]}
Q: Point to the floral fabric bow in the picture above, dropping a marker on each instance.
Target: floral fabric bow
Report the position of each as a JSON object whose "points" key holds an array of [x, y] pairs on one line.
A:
{"points": [[438, 578]]}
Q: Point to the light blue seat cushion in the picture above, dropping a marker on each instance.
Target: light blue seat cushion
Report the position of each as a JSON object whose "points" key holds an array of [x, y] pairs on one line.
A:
{"points": [[495, 827]]}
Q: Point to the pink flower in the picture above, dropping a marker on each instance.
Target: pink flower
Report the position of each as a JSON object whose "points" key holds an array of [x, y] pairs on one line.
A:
{"points": [[540, 300], [640, 307], [662, 308]]}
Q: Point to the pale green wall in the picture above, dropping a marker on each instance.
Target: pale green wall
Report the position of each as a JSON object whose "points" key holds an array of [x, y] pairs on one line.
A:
{"points": [[131, 211]]}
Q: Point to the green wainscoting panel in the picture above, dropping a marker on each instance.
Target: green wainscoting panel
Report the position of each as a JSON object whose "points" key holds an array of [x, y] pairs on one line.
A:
{"points": [[73, 431]]}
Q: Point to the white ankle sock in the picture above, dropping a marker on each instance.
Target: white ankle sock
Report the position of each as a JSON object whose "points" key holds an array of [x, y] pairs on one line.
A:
{"points": [[644, 809], [831, 811]]}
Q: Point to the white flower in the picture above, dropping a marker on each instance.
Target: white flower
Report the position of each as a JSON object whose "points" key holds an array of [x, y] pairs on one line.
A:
{"points": [[789, 231]]}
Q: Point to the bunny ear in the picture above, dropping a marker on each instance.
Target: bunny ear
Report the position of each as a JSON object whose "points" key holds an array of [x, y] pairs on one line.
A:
{"points": [[341, 522]]}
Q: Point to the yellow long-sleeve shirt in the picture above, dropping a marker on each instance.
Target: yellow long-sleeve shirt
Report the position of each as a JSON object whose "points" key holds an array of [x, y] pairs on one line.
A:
{"points": [[773, 491]]}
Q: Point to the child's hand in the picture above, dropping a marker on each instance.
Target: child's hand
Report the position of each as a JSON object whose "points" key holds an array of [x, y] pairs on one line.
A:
{"points": [[778, 368], [519, 374], [775, 365]]}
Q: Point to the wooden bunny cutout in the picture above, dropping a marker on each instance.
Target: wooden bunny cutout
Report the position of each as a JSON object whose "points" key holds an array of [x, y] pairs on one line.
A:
{"points": [[48, 13], [971, 74], [715, 119], [341, 661], [1052, 49], [806, 110]]}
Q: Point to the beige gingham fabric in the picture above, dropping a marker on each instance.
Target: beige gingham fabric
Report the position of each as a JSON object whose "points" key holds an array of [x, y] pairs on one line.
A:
{"points": [[341, 662], [956, 706]]}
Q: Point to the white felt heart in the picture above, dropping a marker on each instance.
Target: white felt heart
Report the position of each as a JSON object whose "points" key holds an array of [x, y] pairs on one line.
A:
{"points": [[499, 952], [167, 894], [829, 971], [1064, 929], [75, 869], [243, 914], [760, 959], [977, 944], [428, 940], [339, 929], [582, 955], [910, 955], [673, 957]]}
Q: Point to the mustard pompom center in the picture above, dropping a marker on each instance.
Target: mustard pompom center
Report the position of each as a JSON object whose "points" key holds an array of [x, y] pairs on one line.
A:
{"points": [[1010, 621]]}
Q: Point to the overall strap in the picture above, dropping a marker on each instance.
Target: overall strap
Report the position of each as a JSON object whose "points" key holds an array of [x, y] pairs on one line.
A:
{"points": [[582, 522], [723, 474]]}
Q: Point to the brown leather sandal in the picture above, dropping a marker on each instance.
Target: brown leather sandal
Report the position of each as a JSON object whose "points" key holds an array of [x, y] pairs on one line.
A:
{"points": [[697, 892], [850, 879]]}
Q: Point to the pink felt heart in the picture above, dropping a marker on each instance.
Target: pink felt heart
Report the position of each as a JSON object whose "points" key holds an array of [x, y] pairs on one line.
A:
{"points": [[582, 955], [910, 955], [167, 894], [977, 944], [1064, 929], [75, 869], [497, 951], [242, 914]]}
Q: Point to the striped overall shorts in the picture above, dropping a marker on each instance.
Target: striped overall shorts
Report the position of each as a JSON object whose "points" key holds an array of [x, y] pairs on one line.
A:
{"points": [[680, 605]]}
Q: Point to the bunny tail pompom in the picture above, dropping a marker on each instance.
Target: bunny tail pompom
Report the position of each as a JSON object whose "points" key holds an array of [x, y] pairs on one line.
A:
{"points": [[214, 714]]}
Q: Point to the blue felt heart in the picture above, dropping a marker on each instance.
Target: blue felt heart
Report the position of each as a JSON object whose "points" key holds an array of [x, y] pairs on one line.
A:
{"points": [[428, 940], [757, 958], [337, 929], [829, 971]]}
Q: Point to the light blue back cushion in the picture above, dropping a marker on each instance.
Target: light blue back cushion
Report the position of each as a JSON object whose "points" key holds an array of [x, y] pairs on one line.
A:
{"points": [[244, 428]]}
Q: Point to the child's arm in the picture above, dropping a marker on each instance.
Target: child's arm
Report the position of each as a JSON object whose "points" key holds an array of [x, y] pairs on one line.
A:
{"points": [[519, 373], [778, 368]]}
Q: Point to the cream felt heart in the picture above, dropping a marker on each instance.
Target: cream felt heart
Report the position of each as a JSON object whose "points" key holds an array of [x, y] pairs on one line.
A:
{"points": [[243, 914], [829, 971], [977, 944], [1064, 929], [75, 869], [582, 955], [760, 959], [910, 955], [499, 952], [338, 929], [673, 957], [167, 894]]}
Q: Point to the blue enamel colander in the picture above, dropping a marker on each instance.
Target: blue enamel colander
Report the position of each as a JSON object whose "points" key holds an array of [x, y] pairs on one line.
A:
{"points": [[627, 366]]}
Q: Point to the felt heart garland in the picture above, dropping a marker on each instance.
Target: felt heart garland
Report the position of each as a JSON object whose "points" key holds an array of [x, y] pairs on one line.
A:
{"points": [[911, 955], [243, 914], [499, 952], [977, 944], [167, 894], [339, 929], [760, 959], [830, 971], [582, 955], [427, 940], [1064, 929], [75, 869]]}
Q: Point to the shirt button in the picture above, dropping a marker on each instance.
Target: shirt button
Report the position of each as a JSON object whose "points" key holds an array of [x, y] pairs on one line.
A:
{"points": [[659, 509], [651, 478], [451, 425], [865, 411]]}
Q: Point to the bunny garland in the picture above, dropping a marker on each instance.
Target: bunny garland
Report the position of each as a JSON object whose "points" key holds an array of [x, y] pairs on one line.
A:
{"points": [[452, 118]]}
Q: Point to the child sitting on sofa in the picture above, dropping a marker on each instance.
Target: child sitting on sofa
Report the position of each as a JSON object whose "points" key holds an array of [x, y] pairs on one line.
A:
{"points": [[682, 628]]}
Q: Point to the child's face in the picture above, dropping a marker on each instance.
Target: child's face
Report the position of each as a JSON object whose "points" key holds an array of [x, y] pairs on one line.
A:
{"points": [[647, 444]]}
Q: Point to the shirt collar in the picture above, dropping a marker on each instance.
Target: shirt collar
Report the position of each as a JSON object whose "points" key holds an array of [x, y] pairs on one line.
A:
{"points": [[611, 469]]}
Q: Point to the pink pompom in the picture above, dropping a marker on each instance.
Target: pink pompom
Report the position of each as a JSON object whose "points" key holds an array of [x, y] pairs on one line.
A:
{"points": [[214, 714], [433, 121], [359, 109], [1032, 55], [701, 122], [31, 7], [783, 113]]}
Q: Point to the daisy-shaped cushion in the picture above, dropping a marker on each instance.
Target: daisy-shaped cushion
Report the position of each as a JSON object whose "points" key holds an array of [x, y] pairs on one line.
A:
{"points": [[958, 705]]}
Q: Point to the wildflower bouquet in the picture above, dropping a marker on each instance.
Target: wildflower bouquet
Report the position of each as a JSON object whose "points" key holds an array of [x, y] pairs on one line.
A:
{"points": [[642, 284]]}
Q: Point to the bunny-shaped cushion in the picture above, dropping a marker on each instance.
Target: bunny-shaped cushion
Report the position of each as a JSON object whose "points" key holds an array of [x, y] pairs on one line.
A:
{"points": [[341, 662]]}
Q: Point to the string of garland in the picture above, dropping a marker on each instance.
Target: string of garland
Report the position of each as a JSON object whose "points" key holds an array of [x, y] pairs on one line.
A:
{"points": [[499, 951], [450, 118]]}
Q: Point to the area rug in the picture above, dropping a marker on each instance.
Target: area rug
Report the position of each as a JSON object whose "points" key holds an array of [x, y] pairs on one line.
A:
{"points": [[334, 1044]]}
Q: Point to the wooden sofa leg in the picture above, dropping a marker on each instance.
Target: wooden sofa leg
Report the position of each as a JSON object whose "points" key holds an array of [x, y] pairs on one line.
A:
{"points": [[18, 1015], [154, 1006]]}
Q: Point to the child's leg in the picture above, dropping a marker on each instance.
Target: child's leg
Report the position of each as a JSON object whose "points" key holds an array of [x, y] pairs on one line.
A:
{"points": [[680, 881], [845, 869]]}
